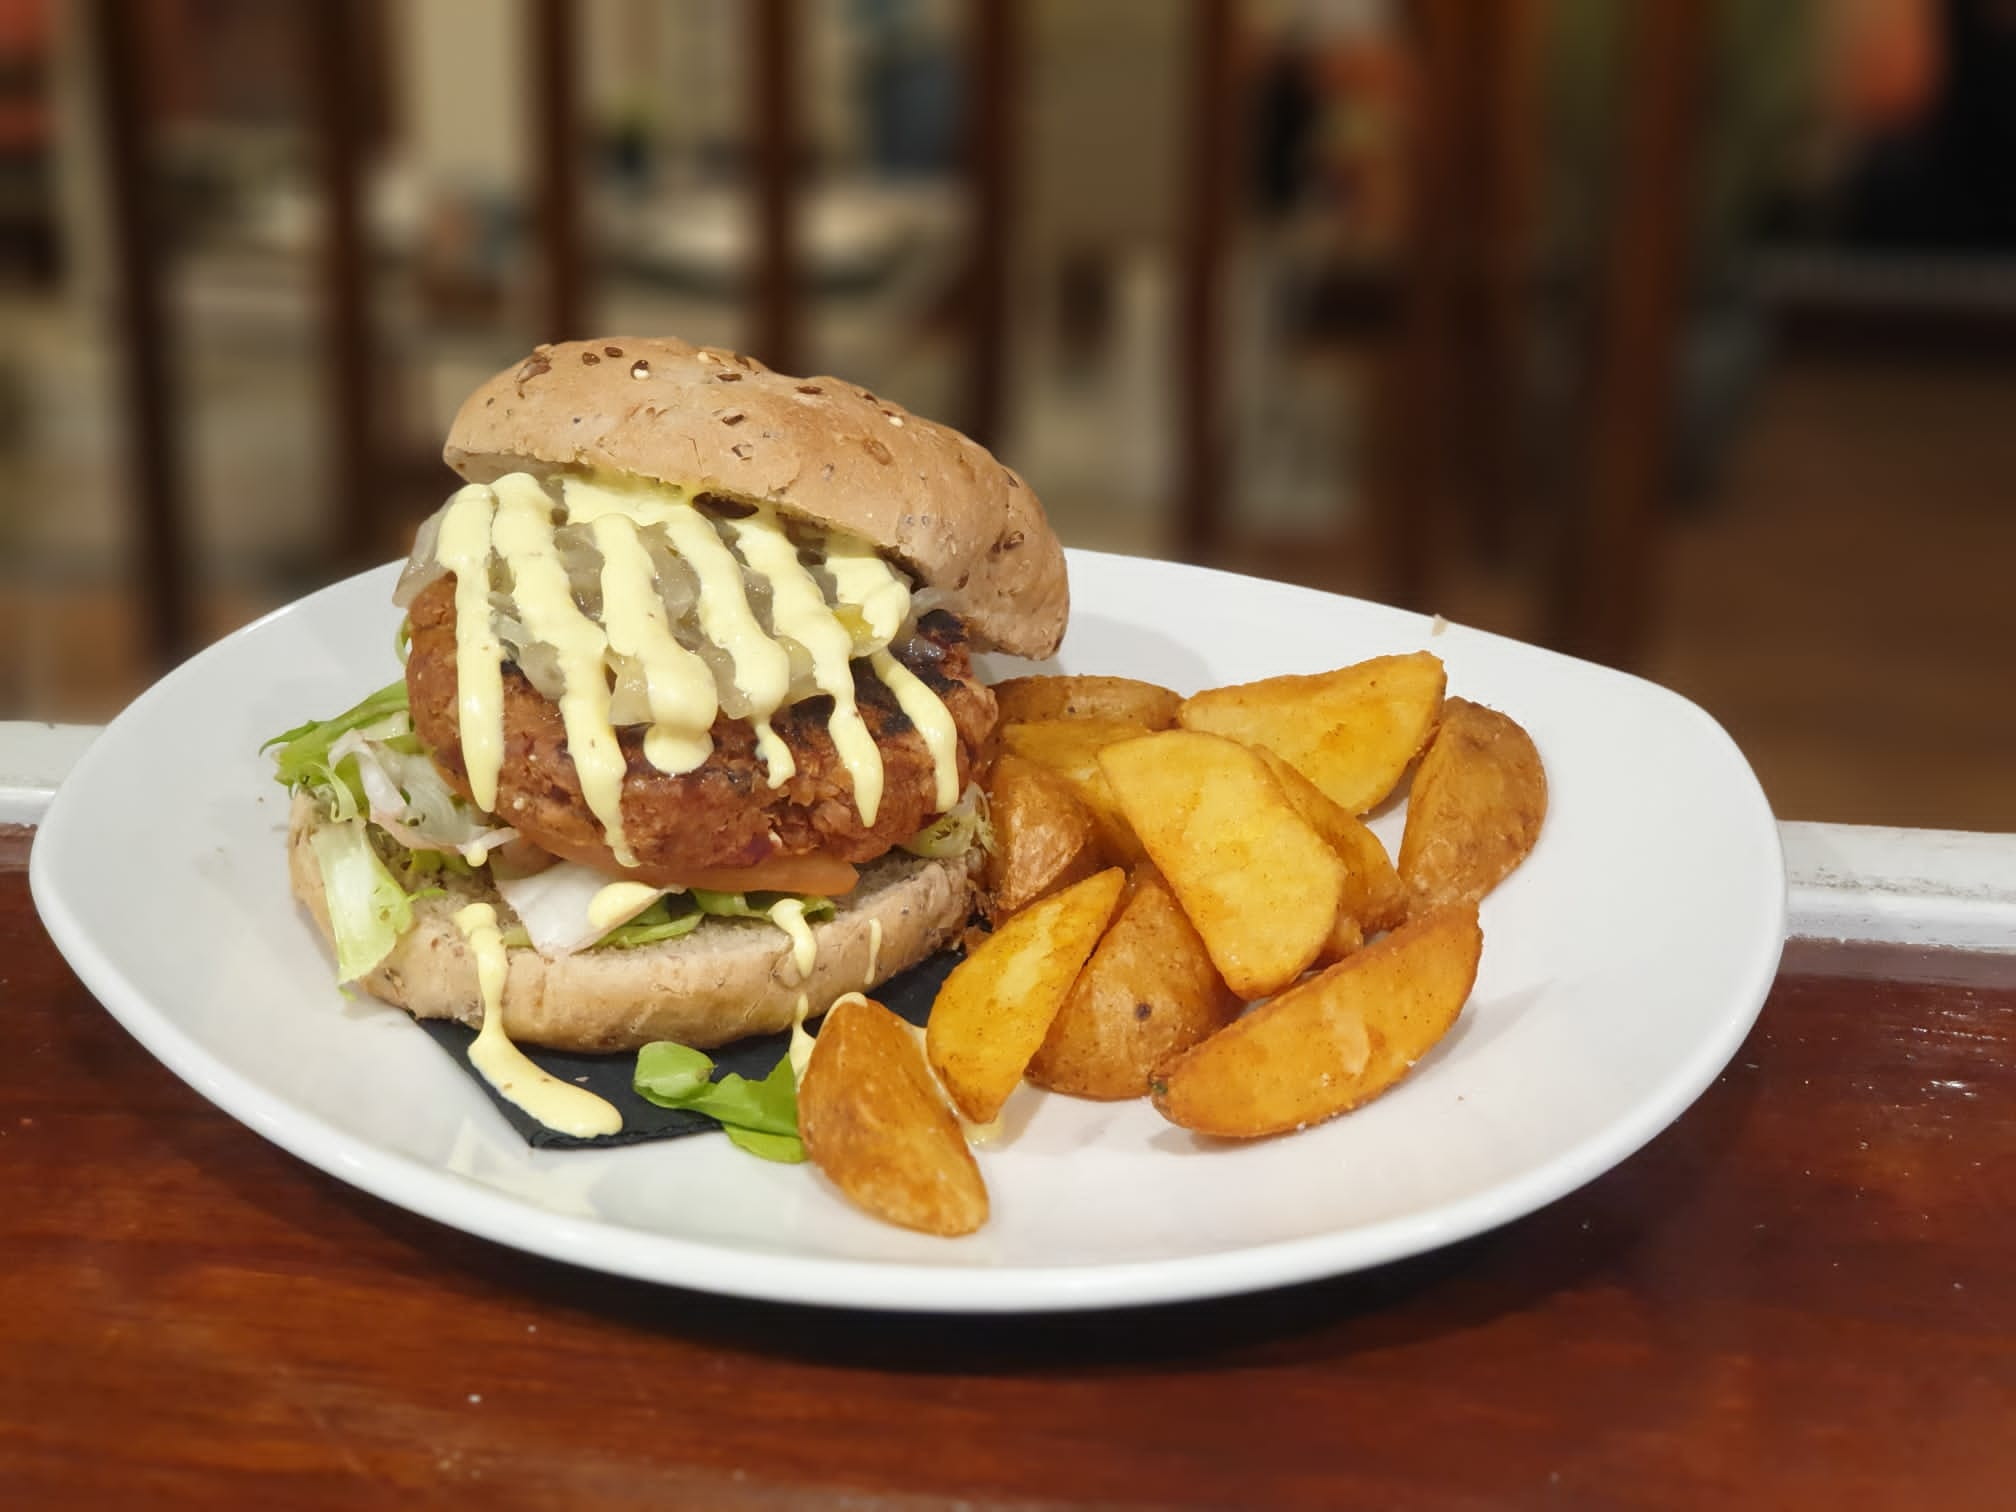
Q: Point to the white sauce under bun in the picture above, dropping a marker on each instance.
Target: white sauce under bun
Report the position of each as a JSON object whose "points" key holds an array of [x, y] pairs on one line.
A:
{"points": [[829, 451]]}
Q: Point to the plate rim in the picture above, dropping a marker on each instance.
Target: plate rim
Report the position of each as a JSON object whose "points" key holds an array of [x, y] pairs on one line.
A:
{"points": [[439, 1195]]}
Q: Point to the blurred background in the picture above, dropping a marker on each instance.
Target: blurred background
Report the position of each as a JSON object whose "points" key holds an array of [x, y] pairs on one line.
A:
{"points": [[1680, 334]]}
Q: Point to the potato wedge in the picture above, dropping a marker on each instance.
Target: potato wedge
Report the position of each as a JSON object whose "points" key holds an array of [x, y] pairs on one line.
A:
{"points": [[1070, 748], [995, 1008], [1148, 992], [1044, 836], [1261, 886], [1346, 936], [1025, 699], [1332, 1042], [1475, 811], [1374, 898], [1352, 732], [876, 1123]]}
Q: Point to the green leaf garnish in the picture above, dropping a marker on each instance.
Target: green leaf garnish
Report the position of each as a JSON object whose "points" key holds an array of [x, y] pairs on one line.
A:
{"points": [[668, 1073], [302, 757], [760, 1117], [785, 1149]]}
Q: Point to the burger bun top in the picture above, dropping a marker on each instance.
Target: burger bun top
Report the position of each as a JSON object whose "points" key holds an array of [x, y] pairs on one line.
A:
{"points": [[711, 420]]}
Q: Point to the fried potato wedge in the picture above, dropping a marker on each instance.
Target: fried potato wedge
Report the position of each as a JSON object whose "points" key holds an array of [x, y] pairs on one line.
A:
{"points": [[1027, 699], [991, 1015], [1346, 936], [1332, 1042], [1261, 886], [1374, 897], [1352, 732], [1070, 748], [1148, 992], [876, 1123], [1044, 836], [1475, 811]]}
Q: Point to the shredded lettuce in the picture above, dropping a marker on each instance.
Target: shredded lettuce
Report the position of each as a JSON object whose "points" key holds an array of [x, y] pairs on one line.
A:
{"points": [[302, 759], [368, 909], [673, 916], [955, 831], [367, 762], [658, 922], [409, 799], [757, 905], [760, 1117], [432, 863]]}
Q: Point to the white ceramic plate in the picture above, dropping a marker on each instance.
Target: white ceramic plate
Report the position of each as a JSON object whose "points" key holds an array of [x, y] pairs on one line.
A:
{"points": [[1623, 964]]}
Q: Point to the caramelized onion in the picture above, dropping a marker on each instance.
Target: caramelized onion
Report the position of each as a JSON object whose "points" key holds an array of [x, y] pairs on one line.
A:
{"points": [[630, 698], [578, 554], [421, 571], [678, 589]]}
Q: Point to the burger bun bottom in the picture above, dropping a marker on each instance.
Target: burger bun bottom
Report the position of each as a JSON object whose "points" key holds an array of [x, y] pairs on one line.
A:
{"points": [[727, 980]]}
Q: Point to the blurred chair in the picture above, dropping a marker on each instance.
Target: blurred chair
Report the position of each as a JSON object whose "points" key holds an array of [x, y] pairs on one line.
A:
{"points": [[1447, 315], [373, 472]]}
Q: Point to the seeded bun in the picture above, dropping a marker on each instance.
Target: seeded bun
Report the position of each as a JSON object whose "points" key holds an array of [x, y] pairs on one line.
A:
{"points": [[728, 979], [829, 451]]}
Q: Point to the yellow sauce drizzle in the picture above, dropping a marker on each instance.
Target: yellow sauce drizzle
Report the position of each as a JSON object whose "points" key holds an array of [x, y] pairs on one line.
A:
{"points": [[620, 902], [788, 914], [933, 720], [762, 667], [523, 536], [514, 518], [864, 580], [678, 683], [798, 609], [801, 1042], [463, 547], [874, 948], [557, 1104]]}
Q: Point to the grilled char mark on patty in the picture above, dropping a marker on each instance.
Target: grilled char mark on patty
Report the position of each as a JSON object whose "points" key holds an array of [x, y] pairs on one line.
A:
{"points": [[724, 813]]}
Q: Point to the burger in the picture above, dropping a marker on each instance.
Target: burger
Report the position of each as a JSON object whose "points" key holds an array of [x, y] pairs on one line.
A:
{"points": [[689, 704]]}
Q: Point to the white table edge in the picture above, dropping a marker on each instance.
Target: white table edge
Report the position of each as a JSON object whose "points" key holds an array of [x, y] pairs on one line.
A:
{"points": [[1938, 889]]}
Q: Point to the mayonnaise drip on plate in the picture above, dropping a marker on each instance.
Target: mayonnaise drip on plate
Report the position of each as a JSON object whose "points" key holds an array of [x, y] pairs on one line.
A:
{"points": [[559, 1105]]}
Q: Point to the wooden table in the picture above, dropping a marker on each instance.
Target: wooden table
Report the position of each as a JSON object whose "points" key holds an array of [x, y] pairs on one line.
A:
{"points": [[1799, 1295]]}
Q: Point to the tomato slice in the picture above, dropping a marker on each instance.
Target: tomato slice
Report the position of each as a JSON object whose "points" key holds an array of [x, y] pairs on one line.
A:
{"points": [[821, 875]]}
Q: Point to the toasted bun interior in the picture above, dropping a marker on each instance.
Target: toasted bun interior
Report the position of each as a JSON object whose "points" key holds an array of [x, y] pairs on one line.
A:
{"points": [[728, 979], [826, 450]]}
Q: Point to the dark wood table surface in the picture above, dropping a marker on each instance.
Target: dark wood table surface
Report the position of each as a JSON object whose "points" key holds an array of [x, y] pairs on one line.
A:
{"points": [[1801, 1294]]}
